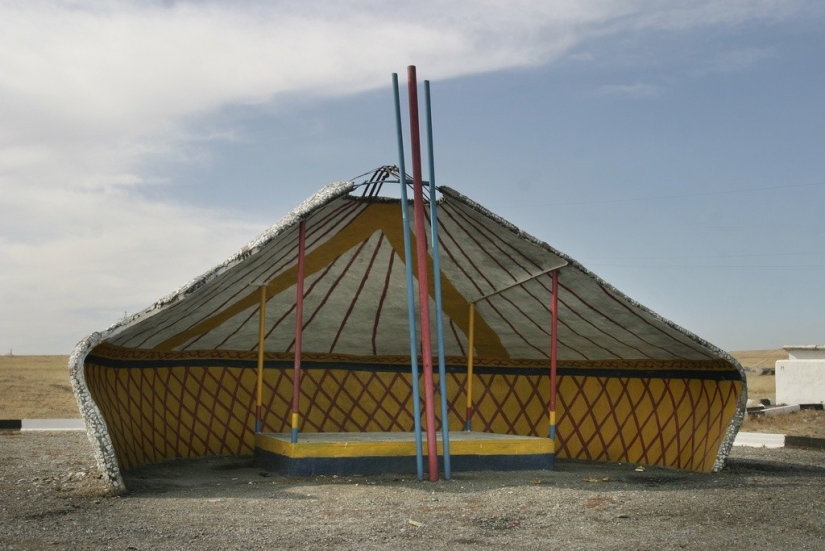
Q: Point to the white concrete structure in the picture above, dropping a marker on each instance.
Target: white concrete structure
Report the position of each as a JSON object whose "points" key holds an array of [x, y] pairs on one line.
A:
{"points": [[801, 378]]}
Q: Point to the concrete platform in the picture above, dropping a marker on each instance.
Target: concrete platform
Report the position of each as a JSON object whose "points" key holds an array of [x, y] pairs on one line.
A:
{"points": [[350, 453]]}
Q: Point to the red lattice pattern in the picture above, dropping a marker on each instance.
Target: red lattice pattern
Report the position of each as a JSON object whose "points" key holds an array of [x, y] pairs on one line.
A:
{"points": [[673, 422], [154, 414]]}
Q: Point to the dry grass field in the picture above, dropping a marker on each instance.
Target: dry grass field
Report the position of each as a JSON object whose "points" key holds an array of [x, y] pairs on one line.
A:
{"points": [[754, 361], [757, 359], [37, 387]]}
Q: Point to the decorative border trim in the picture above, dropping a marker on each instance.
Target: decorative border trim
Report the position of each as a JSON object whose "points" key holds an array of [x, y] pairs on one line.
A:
{"points": [[116, 356], [368, 367]]}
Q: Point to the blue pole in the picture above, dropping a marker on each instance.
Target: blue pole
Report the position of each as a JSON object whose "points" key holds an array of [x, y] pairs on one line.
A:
{"points": [[442, 372], [405, 213]]}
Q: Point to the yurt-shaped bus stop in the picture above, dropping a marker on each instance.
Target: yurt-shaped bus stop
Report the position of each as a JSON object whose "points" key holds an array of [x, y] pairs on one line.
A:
{"points": [[311, 349]]}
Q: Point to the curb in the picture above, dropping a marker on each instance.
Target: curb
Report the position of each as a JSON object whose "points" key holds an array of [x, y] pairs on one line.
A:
{"points": [[759, 440], [805, 442], [768, 440], [43, 424]]}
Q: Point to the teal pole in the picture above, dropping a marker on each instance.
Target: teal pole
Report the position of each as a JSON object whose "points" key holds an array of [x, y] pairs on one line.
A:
{"points": [[442, 371], [405, 214]]}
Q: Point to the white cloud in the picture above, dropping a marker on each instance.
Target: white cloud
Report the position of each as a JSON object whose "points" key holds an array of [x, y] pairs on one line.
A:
{"points": [[92, 91]]}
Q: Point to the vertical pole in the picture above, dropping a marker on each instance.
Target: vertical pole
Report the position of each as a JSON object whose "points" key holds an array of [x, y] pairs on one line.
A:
{"points": [[442, 370], [299, 322], [423, 285], [469, 421], [405, 215], [260, 385], [554, 345]]}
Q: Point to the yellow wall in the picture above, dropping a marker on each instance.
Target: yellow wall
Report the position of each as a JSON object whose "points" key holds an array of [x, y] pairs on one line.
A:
{"points": [[158, 413]]}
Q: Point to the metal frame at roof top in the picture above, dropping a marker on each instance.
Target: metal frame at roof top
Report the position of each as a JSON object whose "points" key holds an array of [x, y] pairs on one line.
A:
{"points": [[388, 174]]}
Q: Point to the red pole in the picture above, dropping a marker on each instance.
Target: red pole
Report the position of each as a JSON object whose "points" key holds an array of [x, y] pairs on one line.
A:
{"points": [[554, 345], [299, 321], [423, 284]]}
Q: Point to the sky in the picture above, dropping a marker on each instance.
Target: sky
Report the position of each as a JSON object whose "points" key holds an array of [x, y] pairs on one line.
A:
{"points": [[675, 148]]}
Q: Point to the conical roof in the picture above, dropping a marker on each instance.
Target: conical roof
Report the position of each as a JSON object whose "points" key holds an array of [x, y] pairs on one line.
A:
{"points": [[355, 292]]}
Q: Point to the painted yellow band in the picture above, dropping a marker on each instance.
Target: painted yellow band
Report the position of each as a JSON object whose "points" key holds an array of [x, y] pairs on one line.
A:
{"points": [[552, 418], [400, 449], [295, 420]]}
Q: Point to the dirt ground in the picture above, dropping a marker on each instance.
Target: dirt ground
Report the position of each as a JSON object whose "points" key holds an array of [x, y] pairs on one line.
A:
{"points": [[801, 423], [53, 496], [53, 499]]}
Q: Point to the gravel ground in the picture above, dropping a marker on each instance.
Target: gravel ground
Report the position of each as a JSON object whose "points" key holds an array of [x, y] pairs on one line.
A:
{"points": [[53, 498]]}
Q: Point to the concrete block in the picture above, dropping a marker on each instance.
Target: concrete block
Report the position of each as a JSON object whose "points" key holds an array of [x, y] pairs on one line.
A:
{"points": [[801, 378]]}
